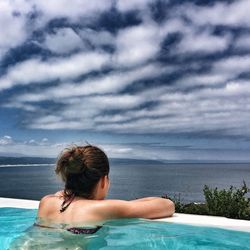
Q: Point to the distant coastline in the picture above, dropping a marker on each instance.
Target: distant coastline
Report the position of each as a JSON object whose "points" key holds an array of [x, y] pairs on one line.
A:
{"points": [[50, 160], [28, 160]]}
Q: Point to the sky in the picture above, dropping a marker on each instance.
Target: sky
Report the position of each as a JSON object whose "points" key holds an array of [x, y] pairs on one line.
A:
{"points": [[150, 79]]}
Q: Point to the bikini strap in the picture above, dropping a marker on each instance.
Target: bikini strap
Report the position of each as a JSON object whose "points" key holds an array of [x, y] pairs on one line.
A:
{"points": [[63, 208]]}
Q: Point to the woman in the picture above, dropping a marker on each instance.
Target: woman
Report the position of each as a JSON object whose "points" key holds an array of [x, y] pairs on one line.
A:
{"points": [[85, 171]]}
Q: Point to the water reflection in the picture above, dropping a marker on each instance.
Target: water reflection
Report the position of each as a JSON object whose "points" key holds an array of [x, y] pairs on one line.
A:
{"points": [[45, 238]]}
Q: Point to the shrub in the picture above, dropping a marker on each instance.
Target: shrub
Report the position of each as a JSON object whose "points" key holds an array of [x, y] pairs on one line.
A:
{"points": [[231, 203]]}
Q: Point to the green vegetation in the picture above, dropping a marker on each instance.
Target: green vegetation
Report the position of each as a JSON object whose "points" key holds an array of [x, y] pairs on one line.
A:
{"points": [[231, 203]]}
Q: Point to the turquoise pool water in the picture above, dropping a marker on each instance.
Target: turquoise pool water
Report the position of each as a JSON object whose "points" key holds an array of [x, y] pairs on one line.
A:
{"points": [[16, 232]]}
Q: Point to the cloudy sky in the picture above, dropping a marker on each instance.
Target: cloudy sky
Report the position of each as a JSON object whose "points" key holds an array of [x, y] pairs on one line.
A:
{"points": [[141, 78]]}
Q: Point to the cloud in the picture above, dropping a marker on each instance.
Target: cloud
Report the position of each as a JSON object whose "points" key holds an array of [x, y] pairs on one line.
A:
{"points": [[13, 24], [203, 42], [137, 44], [97, 38], [6, 140], [53, 69], [124, 6], [20, 18], [243, 42], [33, 142], [220, 13], [202, 111], [105, 84], [72, 10], [207, 79], [233, 65], [45, 140], [46, 148], [81, 113], [188, 74], [64, 41]]}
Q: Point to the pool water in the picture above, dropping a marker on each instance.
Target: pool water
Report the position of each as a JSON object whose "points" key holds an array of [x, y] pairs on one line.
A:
{"points": [[17, 232]]}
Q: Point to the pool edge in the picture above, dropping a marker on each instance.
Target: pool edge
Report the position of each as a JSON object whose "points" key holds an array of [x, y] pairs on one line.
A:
{"points": [[18, 203], [191, 219], [209, 221]]}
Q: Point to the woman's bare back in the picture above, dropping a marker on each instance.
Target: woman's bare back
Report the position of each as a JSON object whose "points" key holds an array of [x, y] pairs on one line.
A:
{"points": [[79, 211], [82, 211]]}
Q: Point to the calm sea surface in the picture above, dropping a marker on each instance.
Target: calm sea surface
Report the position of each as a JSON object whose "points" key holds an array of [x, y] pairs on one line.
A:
{"points": [[128, 180]]}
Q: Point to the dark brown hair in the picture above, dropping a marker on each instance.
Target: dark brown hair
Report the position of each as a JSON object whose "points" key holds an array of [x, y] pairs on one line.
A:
{"points": [[81, 167]]}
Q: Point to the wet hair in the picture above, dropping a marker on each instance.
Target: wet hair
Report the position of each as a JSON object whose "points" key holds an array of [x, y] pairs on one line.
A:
{"points": [[81, 167]]}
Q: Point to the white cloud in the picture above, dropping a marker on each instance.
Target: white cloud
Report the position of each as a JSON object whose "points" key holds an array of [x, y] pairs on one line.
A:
{"points": [[65, 40], [194, 38], [71, 9], [19, 105], [124, 6], [233, 65], [233, 14], [6, 140], [124, 101], [221, 104], [239, 88], [18, 28], [137, 44], [81, 113], [204, 79], [33, 142], [29, 149], [118, 151], [109, 83], [42, 71], [200, 111], [13, 26], [203, 42]]}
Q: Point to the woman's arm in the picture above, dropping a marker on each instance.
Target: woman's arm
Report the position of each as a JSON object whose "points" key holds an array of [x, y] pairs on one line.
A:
{"points": [[149, 209], [145, 199]]}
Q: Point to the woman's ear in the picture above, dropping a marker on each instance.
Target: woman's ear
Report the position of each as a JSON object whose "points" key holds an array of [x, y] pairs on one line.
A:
{"points": [[102, 181]]}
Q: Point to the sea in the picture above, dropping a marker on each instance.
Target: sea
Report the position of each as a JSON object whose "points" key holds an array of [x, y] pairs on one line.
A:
{"points": [[32, 178]]}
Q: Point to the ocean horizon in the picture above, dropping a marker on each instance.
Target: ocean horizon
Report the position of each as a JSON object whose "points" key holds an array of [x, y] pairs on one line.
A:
{"points": [[32, 178]]}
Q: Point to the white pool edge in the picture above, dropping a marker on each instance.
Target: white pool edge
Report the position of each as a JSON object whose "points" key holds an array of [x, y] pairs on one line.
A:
{"points": [[18, 203], [209, 221], [191, 219]]}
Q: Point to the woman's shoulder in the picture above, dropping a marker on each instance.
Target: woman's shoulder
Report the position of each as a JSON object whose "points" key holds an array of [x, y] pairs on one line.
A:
{"points": [[48, 203], [47, 199], [58, 193], [49, 196]]}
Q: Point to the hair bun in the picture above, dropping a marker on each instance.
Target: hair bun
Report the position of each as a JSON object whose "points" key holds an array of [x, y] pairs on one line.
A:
{"points": [[75, 165]]}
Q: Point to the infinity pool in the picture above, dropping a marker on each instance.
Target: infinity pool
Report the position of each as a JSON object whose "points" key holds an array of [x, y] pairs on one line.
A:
{"points": [[17, 232]]}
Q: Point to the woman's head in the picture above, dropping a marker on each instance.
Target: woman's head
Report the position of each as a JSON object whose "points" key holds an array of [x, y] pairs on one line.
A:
{"points": [[82, 168]]}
